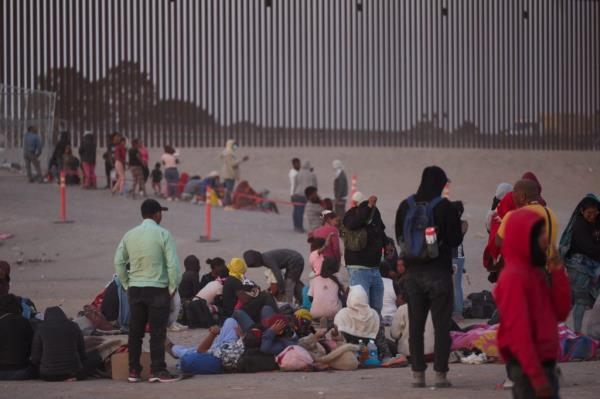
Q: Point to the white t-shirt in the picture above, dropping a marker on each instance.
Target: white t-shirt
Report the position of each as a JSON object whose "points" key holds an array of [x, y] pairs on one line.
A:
{"points": [[169, 160], [389, 298], [292, 174], [326, 302], [210, 291]]}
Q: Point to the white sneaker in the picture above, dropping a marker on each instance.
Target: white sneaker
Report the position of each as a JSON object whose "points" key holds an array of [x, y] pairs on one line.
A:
{"points": [[176, 327]]}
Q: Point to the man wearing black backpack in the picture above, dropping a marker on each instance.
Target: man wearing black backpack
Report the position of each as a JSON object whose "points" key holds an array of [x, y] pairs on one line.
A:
{"points": [[427, 228]]}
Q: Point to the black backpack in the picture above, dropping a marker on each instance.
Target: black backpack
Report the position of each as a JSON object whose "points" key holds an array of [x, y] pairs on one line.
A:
{"points": [[199, 315], [482, 306]]}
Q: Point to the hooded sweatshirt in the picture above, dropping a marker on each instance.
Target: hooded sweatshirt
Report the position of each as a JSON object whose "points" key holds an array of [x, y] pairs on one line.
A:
{"points": [[230, 169], [190, 281], [358, 318], [357, 218], [58, 348], [304, 179], [16, 335], [531, 308], [276, 260], [445, 217], [87, 149]]}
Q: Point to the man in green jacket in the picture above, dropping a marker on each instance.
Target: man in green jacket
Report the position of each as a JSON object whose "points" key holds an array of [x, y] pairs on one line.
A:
{"points": [[147, 265]]}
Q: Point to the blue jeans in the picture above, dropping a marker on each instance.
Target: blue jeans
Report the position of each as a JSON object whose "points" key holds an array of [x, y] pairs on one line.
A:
{"points": [[370, 280], [229, 184], [298, 213], [14, 375], [172, 178], [459, 263]]}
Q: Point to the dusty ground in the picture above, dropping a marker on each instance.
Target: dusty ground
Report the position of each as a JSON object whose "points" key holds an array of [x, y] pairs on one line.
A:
{"points": [[77, 258]]}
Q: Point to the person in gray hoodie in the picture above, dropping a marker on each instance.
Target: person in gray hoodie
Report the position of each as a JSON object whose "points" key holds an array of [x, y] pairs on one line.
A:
{"points": [[289, 285], [304, 179]]}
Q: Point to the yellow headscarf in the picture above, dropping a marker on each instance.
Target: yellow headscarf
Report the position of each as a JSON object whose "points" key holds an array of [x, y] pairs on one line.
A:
{"points": [[237, 268]]}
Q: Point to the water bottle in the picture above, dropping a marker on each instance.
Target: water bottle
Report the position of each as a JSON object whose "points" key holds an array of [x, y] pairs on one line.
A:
{"points": [[373, 360], [431, 241], [363, 353]]}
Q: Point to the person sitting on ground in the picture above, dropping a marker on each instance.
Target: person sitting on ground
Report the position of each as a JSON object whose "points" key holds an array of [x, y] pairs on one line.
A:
{"points": [[213, 291], [276, 260], [580, 249], [313, 209], [16, 336], [357, 321], [211, 181], [71, 167], [58, 349], [216, 269], [530, 307], [190, 281], [191, 190], [330, 225], [400, 332], [390, 299], [241, 294], [326, 293], [29, 311]]}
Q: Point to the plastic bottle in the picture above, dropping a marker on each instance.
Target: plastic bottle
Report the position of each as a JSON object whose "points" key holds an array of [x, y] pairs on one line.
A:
{"points": [[431, 241], [373, 360]]}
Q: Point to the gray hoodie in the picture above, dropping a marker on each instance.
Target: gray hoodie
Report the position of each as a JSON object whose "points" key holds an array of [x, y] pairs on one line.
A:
{"points": [[304, 179]]}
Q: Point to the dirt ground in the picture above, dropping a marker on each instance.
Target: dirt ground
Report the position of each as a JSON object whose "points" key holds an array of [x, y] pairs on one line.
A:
{"points": [[68, 264]]}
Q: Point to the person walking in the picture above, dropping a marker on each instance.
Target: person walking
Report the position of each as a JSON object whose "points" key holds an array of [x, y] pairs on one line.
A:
{"points": [[533, 297], [120, 157], [304, 179], [427, 229], [151, 280], [136, 168], [340, 188], [32, 149], [230, 171], [87, 154]]}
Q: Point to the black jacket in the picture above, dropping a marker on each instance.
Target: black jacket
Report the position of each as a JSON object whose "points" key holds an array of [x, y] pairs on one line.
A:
{"points": [[355, 219], [583, 239], [58, 348], [445, 217], [190, 284], [87, 150], [16, 336], [340, 186]]}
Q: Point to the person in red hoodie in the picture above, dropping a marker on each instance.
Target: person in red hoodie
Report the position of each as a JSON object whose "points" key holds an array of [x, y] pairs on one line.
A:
{"points": [[531, 303]]}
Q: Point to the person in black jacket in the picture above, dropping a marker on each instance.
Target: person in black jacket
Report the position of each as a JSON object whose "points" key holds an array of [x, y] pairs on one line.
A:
{"points": [[58, 349], [363, 265], [190, 281], [429, 284], [16, 336], [87, 153]]}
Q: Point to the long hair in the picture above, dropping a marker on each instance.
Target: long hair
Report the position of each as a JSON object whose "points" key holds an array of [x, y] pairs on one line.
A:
{"points": [[330, 267]]}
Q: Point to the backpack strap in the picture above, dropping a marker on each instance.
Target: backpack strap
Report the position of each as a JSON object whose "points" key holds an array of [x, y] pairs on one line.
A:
{"points": [[432, 204], [411, 201]]}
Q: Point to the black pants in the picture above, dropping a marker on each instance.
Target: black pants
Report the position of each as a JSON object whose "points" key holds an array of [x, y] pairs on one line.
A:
{"points": [[148, 305], [522, 388], [108, 167], [431, 291], [89, 366]]}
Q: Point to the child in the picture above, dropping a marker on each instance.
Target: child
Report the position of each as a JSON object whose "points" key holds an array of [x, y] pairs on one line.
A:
{"points": [[217, 268], [530, 306], [157, 176], [313, 209], [317, 249], [326, 293]]}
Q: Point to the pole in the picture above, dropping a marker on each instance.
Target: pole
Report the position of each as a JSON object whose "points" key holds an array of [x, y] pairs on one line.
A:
{"points": [[63, 200], [207, 237]]}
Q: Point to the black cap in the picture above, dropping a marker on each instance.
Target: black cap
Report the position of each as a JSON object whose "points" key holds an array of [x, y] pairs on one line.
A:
{"points": [[150, 207]]}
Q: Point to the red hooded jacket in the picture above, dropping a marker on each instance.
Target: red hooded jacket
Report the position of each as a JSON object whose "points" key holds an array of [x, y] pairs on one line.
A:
{"points": [[530, 309]]}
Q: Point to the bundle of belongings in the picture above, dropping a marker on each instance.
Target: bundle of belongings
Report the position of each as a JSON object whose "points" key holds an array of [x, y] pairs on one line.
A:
{"points": [[245, 197]]}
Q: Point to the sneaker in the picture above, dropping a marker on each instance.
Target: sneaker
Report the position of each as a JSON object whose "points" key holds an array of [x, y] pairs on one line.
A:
{"points": [[134, 376], [176, 327], [441, 380], [164, 376], [418, 379]]}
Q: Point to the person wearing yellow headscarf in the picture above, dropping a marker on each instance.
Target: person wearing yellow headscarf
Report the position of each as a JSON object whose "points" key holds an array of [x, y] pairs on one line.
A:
{"points": [[237, 268]]}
